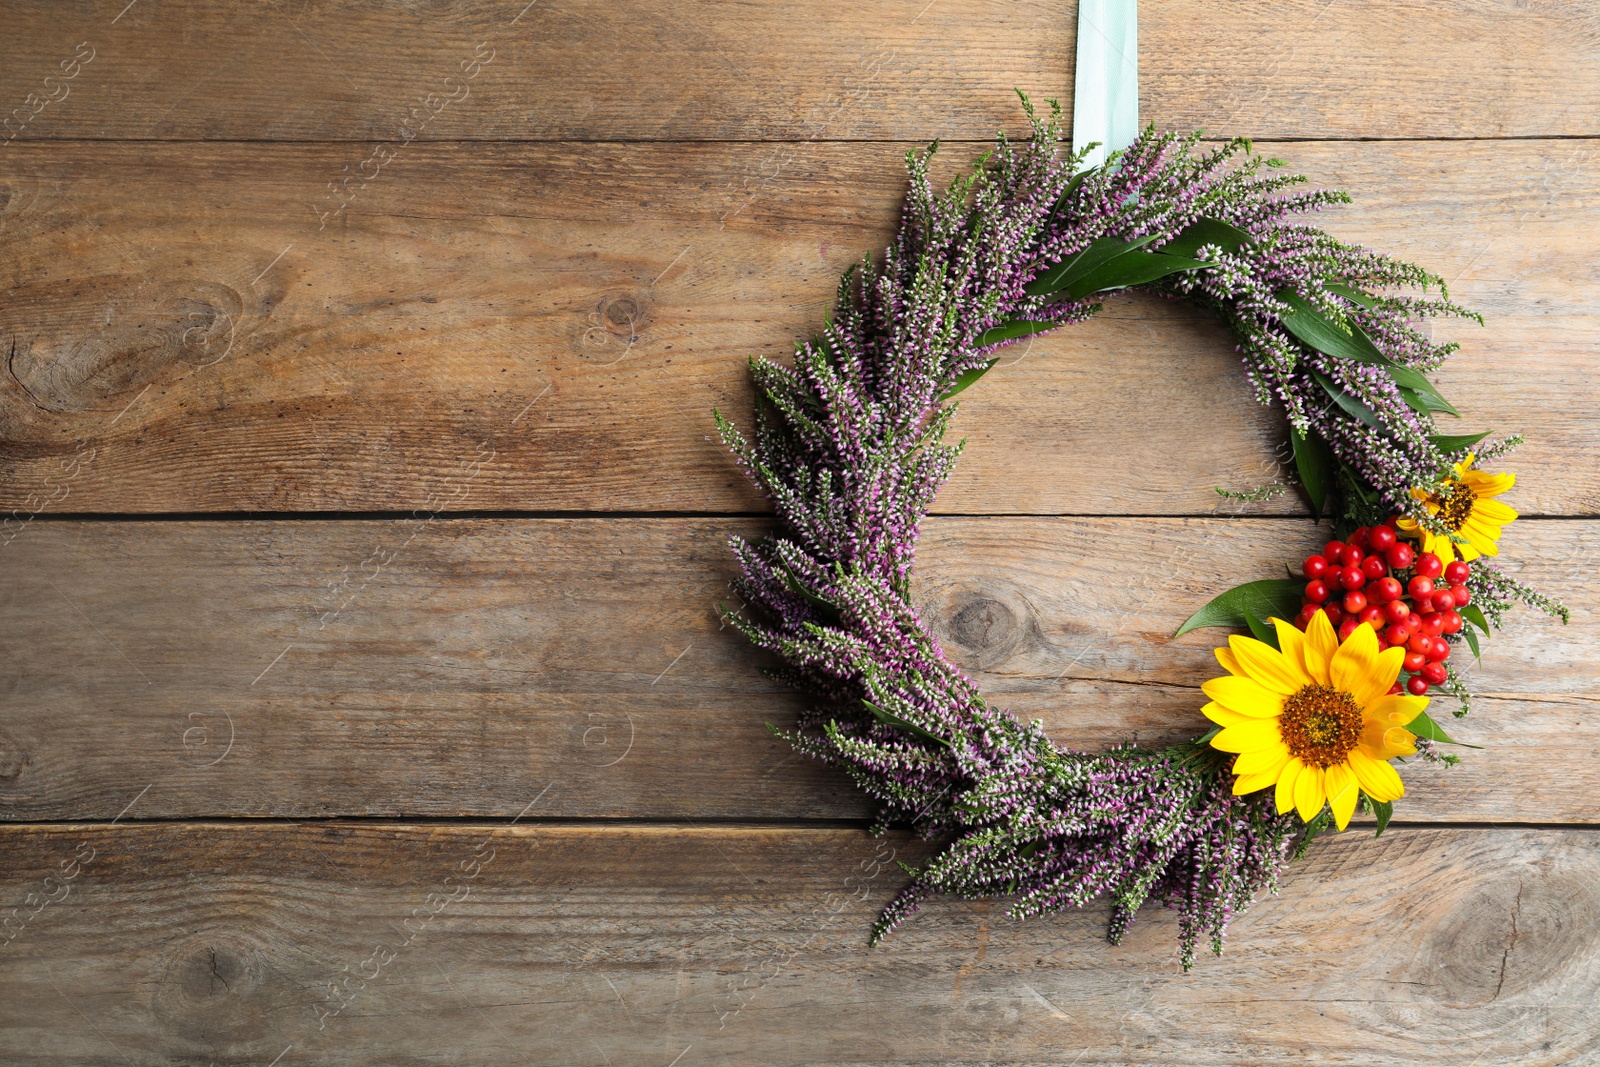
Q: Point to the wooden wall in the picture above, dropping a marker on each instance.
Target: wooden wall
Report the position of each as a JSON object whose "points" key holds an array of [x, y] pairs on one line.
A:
{"points": [[364, 700]]}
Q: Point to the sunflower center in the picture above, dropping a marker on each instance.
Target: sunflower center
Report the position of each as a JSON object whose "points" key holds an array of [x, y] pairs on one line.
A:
{"points": [[1320, 725], [1455, 505]]}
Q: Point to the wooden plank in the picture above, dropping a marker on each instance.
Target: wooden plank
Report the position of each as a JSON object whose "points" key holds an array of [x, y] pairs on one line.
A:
{"points": [[182, 336], [310, 669], [491, 944], [715, 69]]}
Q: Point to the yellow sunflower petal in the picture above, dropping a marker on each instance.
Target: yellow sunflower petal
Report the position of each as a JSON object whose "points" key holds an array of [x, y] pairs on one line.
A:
{"points": [[1268, 666], [1396, 710], [1286, 779], [1493, 511], [1272, 758], [1385, 670], [1383, 742], [1465, 465], [1222, 716], [1249, 783], [1229, 661], [1483, 484], [1245, 696], [1293, 643], [1356, 661], [1485, 541], [1321, 644], [1248, 736], [1340, 782], [1466, 551], [1308, 792], [1378, 777], [1442, 547]]}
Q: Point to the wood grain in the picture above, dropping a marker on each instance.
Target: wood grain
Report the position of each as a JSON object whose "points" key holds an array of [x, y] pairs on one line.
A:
{"points": [[491, 944], [182, 336], [716, 69], [458, 667]]}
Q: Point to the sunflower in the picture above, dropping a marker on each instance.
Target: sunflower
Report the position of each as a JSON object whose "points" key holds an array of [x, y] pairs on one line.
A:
{"points": [[1466, 505], [1316, 720]]}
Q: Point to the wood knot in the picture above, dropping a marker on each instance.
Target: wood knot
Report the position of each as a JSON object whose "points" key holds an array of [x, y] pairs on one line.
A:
{"points": [[13, 757], [983, 627], [1504, 938], [210, 974], [102, 342], [613, 327]]}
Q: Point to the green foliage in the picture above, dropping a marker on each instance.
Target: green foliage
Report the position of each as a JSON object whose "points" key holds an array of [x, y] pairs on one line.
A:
{"points": [[1273, 597]]}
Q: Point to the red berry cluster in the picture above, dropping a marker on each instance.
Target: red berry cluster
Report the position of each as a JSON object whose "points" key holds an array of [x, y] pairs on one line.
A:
{"points": [[1408, 600]]}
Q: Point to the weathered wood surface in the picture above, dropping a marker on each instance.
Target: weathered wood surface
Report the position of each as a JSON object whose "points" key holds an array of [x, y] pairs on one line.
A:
{"points": [[715, 69], [490, 944], [290, 668], [181, 335]]}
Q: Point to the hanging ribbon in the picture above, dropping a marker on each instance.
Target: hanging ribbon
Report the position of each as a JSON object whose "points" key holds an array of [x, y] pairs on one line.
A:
{"points": [[1105, 94]]}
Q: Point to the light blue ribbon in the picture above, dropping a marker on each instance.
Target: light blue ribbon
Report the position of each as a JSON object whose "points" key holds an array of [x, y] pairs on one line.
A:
{"points": [[1105, 93]]}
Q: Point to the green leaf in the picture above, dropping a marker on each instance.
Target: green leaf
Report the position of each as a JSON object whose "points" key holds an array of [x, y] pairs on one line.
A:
{"points": [[1261, 631], [1352, 294], [1456, 442], [898, 723], [1278, 597], [1205, 738], [1426, 401], [966, 379], [1349, 403], [1472, 642], [1316, 330], [1311, 327], [1064, 273], [1010, 331], [1384, 811], [1474, 614], [1314, 461], [1131, 268], [1423, 726], [1206, 232]]}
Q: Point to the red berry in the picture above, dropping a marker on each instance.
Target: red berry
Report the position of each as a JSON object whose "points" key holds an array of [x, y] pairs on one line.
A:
{"points": [[1352, 578], [1314, 567], [1374, 567], [1442, 600], [1347, 628], [1351, 556], [1456, 572], [1429, 565], [1414, 661], [1439, 650], [1331, 550], [1387, 590], [1396, 635], [1433, 624], [1420, 643], [1434, 673], [1373, 617], [1318, 592], [1422, 605], [1396, 610], [1399, 555], [1359, 536], [1382, 538], [1302, 619], [1452, 622], [1334, 613], [1420, 586], [1354, 603], [1417, 686], [1395, 689], [1461, 595]]}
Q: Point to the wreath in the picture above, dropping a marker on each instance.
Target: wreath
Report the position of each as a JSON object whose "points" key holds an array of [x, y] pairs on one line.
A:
{"points": [[1312, 711]]}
